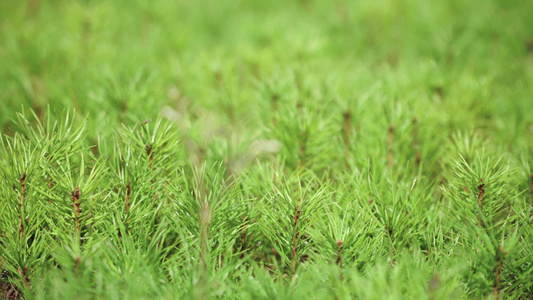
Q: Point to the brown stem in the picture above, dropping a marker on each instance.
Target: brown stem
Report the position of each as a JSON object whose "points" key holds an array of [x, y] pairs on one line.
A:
{"points": [[339, 257], [390, 145], [128, 192], [297, 216], [76, 195], [347, 116], [24, 274], [77, 263], [294, 250], [150, 153], [243, 234], [481, 189], [94, 148], [500, 255], [22, 198], [339, 252]]}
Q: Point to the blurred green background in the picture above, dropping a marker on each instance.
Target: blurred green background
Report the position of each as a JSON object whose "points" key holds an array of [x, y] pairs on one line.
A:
{"points": [[455, 64]]}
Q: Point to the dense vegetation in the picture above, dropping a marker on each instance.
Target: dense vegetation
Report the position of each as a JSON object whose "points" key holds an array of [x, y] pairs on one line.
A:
{"points": [[266, 149]]}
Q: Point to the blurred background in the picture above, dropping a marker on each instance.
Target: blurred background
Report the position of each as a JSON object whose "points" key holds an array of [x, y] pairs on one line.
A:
{"points": [[225, 64]]}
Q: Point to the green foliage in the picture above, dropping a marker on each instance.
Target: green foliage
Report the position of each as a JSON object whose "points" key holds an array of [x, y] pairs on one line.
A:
{"points": [[488, 216], [276, 149]]}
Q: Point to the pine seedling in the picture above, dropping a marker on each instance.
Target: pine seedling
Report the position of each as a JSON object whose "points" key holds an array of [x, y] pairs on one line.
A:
{"points": [[482, 194], [289, 210], [23, 242], [404, 208], [372, 87], [29, 158], [206, 214], [145, 159], [347, 236], [77, 197], [155, 145]]}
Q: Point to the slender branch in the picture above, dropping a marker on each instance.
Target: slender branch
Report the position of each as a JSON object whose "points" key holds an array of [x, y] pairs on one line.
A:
{"points": [[339, 252], [243, 234], [296, 237], [22, 198], [127, 208], [500, 256], [481, 189], [150, 153], [24, 274], [77, 263], [347, 116], [339, 257], [94, 148], [76, 195], [128, 192]]}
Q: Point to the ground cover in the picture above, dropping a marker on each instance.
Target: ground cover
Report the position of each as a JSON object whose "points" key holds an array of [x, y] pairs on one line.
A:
{"points": [[266, 149]]}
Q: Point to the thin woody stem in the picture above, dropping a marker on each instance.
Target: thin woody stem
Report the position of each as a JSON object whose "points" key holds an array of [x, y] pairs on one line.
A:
{"points": [[481, 189], [24, 274], [500, 255], [347, 116], [296, 237], [150, 153], [339, 252], [22, 198], [128, 192], [76, 195]]}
